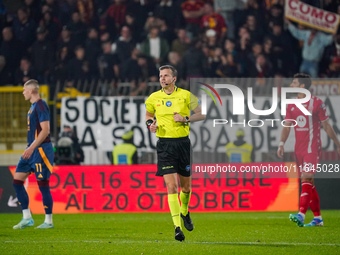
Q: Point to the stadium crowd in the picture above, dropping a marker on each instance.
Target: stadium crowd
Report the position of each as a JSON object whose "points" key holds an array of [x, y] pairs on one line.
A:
{"points": [[74, 41]]}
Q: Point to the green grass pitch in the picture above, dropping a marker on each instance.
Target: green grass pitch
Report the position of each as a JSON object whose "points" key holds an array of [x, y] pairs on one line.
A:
{"points": [[153, 233]]}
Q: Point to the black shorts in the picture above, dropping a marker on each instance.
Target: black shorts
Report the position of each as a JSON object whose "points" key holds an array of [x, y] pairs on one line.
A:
{"points": [[173, 156]]}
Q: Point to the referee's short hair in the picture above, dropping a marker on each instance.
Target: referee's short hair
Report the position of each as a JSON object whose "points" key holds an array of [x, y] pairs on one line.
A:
{"points": [[33, 83], [173, 69], [304, 79]]}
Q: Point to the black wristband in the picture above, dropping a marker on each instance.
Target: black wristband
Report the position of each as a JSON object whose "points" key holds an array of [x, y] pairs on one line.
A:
{"points": [[148, 123]]}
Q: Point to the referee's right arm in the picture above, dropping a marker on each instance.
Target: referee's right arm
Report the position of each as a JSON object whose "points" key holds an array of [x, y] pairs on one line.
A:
{"points": [[150, 123]]}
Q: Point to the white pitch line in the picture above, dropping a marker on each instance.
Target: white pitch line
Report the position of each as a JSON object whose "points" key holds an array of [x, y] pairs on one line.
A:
{"points": [[189, 242]]}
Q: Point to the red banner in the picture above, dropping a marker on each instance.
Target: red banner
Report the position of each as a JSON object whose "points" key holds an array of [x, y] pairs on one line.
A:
{"points": [[97, 189]]}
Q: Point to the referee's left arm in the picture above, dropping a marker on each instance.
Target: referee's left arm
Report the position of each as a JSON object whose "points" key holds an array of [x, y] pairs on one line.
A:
{"points": [[197, 116]]}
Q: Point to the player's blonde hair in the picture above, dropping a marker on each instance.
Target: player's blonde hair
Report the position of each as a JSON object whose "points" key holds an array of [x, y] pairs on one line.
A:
{"points": [[34, 84]]}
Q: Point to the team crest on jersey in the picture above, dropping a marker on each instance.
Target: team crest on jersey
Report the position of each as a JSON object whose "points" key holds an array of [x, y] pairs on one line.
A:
{"points": [[301, 121], [168, 103]]}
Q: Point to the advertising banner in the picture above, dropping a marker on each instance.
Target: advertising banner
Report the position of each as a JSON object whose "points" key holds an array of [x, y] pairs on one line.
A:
{"points": [[135, 188], [8, 199]]}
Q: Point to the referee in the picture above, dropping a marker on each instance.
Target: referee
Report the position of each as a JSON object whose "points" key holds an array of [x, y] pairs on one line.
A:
{"points": [[171, 107]]}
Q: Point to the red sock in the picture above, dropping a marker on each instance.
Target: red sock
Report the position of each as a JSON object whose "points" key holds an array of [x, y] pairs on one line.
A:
{"points": [[315, 204], [305, 197]]}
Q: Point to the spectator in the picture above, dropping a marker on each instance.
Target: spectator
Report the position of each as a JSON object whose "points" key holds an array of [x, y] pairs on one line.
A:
{"points": [[42, 59], [213, 20], [11, 49], [261, 68], [139, 10], [46, 8], [105, 37], [330, 65], [194, 61], [215, 61], [78, 28], [25, 72], [108, 64], [66, 40], [124, 45], [181, 44], [243, 49], [52, 6], [66, 8], [129, 66], [68, 149], [212, 52], [146, 72], [33, 6], [92, 51], [229, 66], [155, 47], [166, 33], [24, 28], [226, 9], [51, 25], [230, 46], [267, 47], [174, 59], [86, 11], [171, 13], [78, 67], [60, 69], [138, 69], [115, 16], [254, 28], [283, 49], [314, 43], [130, 22], [192, 11], [152, 21], [256, 50], [252, 8], [6, 76], [211, 41], [275, 15]]}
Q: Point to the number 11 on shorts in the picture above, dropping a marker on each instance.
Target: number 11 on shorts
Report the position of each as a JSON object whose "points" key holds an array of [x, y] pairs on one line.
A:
{"points": [[38, 167]]}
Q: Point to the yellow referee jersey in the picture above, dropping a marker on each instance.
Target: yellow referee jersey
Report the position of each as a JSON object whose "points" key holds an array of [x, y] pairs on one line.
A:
{"points": [[164, 106]]}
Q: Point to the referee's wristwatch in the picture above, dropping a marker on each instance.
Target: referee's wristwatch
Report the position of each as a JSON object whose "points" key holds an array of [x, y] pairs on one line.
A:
{"points": [[186, 119]]}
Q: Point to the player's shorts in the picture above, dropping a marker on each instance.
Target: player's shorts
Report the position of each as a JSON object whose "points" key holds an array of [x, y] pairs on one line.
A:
{"points": [[40, 162], [307, 163], [173, 155]]}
